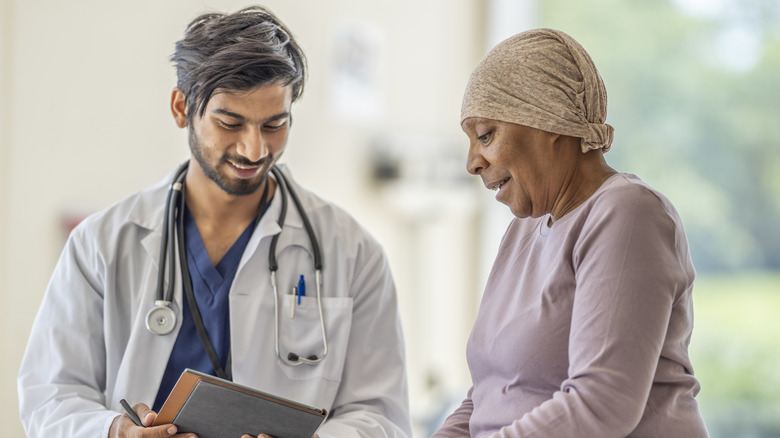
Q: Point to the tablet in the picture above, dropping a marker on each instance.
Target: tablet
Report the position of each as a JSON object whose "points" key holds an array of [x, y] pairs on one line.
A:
{"points": [[214, 408]]}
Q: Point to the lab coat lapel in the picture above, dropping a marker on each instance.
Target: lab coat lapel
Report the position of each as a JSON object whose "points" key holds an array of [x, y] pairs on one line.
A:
{"points": [[149, 214], [269, 226]]}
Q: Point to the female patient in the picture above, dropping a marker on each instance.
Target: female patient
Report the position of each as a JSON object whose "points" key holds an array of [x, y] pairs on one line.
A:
{"points": [[584, 326]]}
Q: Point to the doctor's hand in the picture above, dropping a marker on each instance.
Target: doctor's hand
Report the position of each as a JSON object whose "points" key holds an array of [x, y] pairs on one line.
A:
{"points": [[123, 426]]}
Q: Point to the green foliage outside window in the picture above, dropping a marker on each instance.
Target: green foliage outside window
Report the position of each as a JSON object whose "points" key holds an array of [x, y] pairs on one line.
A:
{"points": [[695, 101]]}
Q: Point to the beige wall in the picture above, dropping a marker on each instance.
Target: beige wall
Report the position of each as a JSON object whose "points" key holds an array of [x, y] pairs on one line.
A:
{"points": [[84, 121], [9, 359]]}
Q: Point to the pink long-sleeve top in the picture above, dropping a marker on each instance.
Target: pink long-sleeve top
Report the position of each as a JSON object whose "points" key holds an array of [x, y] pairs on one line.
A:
{"points": [[584, 326]]}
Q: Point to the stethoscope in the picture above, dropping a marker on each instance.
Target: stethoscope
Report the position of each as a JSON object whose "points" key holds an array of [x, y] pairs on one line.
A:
{"points": [[161, 319]]}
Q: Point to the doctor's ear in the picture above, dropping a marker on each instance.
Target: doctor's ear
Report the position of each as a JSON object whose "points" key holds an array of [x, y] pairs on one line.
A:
{"points": [[179, 108]]}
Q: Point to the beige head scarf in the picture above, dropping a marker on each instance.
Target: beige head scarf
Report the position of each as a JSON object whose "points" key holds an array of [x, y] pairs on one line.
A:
{"points": [[543, 79]]}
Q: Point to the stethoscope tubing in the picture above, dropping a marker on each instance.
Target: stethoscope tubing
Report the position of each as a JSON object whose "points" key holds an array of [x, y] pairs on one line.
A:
{"points": [[273, 265], [315, 246], [161, 319], [171, 201], [222, 372]]}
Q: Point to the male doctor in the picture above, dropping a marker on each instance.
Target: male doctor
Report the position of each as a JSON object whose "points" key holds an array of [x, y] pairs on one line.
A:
{"points": [[92, 344]]}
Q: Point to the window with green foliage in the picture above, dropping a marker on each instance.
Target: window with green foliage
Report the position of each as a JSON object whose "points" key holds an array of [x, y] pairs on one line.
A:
{"points": [[694, 96]]}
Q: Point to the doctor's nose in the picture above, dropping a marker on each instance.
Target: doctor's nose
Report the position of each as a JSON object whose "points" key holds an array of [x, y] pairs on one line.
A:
{"points": [[253, 145]]}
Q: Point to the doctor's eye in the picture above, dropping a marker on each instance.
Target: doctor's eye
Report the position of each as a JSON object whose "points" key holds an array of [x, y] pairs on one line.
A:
{"points": [[229, 126], [276, 126]]}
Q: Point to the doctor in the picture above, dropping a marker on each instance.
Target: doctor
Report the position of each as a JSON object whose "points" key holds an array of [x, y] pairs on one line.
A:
{"points": [[109, 326]]}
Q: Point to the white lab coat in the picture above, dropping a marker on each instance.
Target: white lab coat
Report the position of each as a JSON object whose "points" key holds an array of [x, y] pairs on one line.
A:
{"points": [[89, 345]]}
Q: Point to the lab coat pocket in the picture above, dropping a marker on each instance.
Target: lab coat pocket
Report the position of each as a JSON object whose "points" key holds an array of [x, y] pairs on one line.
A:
{"points": [[300, 332]]}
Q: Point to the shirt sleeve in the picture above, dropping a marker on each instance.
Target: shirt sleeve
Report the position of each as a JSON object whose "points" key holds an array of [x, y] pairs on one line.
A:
{"points": [[457, 424], [62, 376], [372, 400], [630, 267]]}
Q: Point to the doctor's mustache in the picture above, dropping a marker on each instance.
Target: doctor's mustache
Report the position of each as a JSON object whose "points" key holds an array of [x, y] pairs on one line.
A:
{"points": [[245, 162]]}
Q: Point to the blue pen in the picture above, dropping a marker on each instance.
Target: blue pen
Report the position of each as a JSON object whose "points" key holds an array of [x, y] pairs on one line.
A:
{"points": [[301, 289]]}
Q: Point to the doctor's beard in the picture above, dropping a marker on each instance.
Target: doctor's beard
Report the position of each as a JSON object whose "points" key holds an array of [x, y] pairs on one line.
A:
{"points": [[231, 186]]}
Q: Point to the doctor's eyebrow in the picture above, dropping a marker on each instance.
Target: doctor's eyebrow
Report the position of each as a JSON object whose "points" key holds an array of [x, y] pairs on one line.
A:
{"points": [[237, 116]]}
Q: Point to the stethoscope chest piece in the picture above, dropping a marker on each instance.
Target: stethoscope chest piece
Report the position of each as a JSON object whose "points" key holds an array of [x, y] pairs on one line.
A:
{"points": [[161, 318]]}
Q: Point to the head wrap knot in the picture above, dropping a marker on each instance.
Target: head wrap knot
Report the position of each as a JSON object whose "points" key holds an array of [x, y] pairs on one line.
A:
{"points": [[543, 79], [599, 135]]}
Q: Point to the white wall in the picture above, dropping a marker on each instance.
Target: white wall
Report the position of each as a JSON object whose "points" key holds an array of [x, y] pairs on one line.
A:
{"points": [[84, 121]]}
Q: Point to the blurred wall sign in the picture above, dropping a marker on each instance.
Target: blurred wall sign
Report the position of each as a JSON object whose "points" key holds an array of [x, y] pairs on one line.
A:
{"points": [[357, 71], [421, 175]]}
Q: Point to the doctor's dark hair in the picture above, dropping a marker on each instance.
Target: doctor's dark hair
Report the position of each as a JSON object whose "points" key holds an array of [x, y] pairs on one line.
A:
{"points": [[238, 51]]}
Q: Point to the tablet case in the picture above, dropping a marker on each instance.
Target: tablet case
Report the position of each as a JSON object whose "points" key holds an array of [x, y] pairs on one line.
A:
{"points": [[214, 408]]}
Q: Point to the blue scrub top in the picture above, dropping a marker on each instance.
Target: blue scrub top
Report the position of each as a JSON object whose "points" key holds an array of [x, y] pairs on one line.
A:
{"points": [[211, 286]]}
